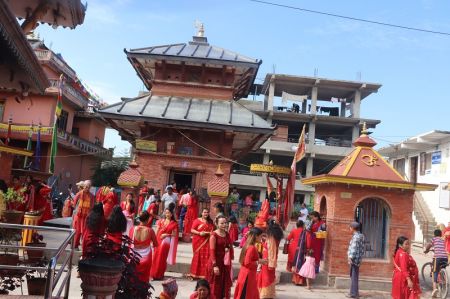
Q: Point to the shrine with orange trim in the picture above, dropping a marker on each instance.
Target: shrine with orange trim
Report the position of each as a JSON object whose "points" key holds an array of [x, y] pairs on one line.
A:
{"points": [[364, 187]]}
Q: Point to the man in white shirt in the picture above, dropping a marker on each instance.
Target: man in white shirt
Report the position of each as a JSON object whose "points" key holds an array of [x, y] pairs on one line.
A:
{"points": [[169, 197], [303, 212]]}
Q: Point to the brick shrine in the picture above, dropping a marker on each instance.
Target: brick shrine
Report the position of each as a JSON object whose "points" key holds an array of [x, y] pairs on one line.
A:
{"points": [[363, 187]]}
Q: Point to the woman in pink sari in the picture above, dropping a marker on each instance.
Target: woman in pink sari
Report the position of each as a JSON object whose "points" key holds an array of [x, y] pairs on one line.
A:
{"points": [[167, 236], [143, 238]]}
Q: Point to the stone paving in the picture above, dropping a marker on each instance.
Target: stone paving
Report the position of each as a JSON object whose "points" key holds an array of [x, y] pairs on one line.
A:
{"points": [[284, 289]]}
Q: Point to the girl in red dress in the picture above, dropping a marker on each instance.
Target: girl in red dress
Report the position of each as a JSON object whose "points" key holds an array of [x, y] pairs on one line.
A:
{"points": [[266, 278], [143, 238], [246, 286], [405, 280], [233, 229], [117, 224], [191, 215], [218, 271], [95, 227], [109, 201], [201, 231], [317, 244], [167, 236]]}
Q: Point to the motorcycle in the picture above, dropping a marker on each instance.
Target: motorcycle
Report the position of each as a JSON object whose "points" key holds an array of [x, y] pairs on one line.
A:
{"points": [[57, 205]]}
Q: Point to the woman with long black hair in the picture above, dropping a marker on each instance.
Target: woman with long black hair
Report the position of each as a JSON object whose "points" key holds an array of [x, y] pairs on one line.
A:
{"points": [[167, 236], [405, 280], [246, 286]]}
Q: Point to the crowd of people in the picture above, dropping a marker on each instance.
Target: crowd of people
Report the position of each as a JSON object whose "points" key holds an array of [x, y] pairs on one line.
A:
{"points": [[214, 241]]}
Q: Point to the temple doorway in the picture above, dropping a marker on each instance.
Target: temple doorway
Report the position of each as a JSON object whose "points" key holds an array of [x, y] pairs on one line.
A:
{"points": [[183, 179]]}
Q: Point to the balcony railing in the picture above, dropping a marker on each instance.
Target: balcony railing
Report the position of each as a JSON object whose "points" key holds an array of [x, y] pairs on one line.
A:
{"points": [[328, 142], [50, 56], [71, 93], [84, 145]]}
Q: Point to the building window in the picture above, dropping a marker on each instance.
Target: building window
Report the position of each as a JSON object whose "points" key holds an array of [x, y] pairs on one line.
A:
{"points": [[399, 165], [2, 110], [75, 131], [62, 121], [374, 215], [425, 163]]}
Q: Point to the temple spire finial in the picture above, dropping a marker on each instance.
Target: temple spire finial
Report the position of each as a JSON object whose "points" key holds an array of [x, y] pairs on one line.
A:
{"points": [[364, 130], [201, 28]]}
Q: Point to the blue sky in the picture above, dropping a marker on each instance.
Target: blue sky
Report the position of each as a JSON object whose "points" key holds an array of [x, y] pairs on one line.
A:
{"points": [[413, 67]]}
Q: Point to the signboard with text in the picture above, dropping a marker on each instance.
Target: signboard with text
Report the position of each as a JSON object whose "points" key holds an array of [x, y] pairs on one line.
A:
{"points": [[436, 157], [146, 145]]}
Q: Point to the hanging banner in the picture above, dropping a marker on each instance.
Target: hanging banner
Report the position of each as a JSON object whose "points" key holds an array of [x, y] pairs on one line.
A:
{"points": [[146, 145]]}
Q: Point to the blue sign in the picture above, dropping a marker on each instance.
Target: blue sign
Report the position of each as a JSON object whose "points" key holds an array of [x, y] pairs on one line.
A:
{"points": [[436, 157]]}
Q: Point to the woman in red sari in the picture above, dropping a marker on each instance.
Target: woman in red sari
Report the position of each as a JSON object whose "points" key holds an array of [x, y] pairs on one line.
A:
{"points": [[42, 203], [143, 237], [94, 228], [405, 280], [233, 229], [293, 238], [191, 215], [218, 271], [201, 231], [109, 201], [266, 278], [167, 236], [317, 245], [246, 285]]}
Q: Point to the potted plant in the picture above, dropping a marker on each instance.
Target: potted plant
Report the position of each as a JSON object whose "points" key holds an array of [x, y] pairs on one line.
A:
{"points": [[9, 283], [36, 241], [110, 269], [232, 200], [36, 279], [12, 199], [9, 257]]}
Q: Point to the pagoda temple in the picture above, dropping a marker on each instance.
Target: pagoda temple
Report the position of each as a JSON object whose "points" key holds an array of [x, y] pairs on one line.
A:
{"points": [[189, 121], [365, 188]]}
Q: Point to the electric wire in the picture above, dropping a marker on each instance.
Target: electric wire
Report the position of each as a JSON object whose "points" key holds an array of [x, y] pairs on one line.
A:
{"points": [[352, 18]]}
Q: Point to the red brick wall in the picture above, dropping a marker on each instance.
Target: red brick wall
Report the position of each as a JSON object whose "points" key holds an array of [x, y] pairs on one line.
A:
{"points": [[156, 168], [6, 161], [340, 212]]}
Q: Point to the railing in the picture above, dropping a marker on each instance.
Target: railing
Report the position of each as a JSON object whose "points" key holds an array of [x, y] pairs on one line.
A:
{"points": [[327, 142], [50, 56], [71, 93], [53, 274], [84, 145], [247, 172]]}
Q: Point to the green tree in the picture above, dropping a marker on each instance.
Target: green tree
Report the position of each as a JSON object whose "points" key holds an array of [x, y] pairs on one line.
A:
{"points": [[107, 172]]}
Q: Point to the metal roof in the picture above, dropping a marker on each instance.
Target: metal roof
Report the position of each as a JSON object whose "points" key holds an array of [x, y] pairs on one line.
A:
{"points": [[220, 114], [198, 48], [420, 142]]}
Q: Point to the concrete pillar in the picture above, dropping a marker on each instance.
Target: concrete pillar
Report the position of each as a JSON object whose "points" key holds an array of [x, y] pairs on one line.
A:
{"points": [[266, 157], [314, 100], [262, 194], [271, 94], [311, 133], [356, 107], [309, 167], [355, 132], [343, 109]]}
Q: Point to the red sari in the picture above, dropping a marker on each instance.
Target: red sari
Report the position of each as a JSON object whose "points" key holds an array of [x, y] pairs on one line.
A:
{"points": [[293, 238], [42, 202], [405, 266], [317, 245], [233, 230], [246, 286], [200, 248], [166, 251], [109, 201], [266, 278], [142, 194], [143, 237], [220, 284], [191, 215], [152, 210], [101, 194]]}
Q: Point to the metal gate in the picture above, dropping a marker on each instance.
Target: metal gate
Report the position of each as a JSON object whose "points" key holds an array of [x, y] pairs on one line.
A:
{"points": [[374, 214]]}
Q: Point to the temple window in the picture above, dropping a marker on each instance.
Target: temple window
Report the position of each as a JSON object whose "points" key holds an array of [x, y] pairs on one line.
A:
{"points": [[374, 215]]}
